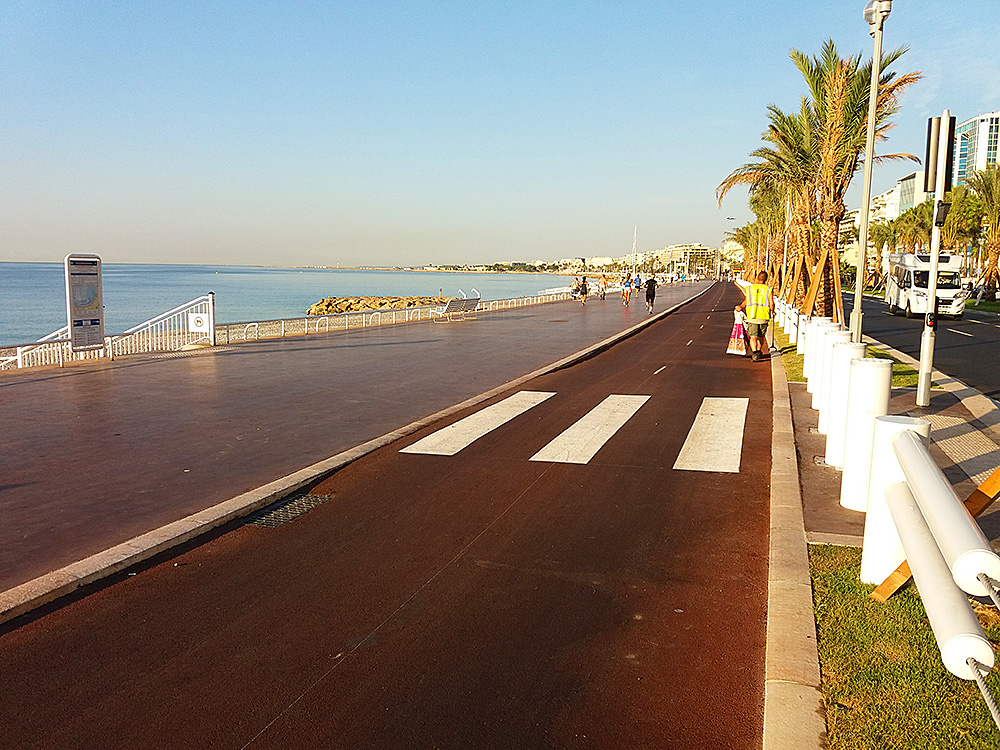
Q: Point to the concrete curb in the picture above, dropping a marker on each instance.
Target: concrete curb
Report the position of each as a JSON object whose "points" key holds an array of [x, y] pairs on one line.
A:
{"points": [[981, 406], [794, 713], [47, 588]]}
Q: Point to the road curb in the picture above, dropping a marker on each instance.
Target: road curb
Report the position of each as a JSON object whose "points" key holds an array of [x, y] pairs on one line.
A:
{"points": [[981, 406], [44, 589], [794, 713]]}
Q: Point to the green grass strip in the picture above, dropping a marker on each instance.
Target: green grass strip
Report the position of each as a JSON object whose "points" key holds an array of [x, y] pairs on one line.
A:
{"points": [[883, 681], [903, 376]]}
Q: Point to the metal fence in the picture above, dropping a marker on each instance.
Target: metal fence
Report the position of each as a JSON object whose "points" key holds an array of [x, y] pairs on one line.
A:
{"points": [[189, 324], [173, 330]]}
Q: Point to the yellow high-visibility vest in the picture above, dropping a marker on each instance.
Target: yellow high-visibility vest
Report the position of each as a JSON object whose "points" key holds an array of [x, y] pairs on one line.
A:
{"points": [[757, 302]]}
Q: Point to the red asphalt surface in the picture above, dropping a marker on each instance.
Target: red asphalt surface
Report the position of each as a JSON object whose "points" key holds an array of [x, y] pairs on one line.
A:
{"points": [[471, 601]]}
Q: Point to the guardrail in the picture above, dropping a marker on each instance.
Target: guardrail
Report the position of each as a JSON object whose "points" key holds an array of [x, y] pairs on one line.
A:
{"points": [[172, 330]]}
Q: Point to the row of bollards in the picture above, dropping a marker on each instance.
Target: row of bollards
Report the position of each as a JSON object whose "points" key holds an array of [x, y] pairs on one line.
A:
{"points": [[912, 513]]}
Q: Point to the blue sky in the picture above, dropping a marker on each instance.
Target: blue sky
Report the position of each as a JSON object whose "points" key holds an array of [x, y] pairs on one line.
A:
{"points": [[405, 133]]}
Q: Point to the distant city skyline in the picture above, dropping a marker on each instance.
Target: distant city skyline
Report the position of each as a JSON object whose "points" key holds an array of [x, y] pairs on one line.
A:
{"points": [[414, 133]]}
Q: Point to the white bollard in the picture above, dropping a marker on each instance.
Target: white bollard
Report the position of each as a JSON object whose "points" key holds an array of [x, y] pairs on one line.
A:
{"points": [[964, 546], [812, 338], [956, 628], [803, 324], [868, 397], [826, 377], [882, 552], [840, 379], [814, 351], [793, 326]]}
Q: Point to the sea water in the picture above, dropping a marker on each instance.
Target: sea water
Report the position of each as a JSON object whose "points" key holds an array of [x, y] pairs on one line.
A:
{"points": [[33, 295]]}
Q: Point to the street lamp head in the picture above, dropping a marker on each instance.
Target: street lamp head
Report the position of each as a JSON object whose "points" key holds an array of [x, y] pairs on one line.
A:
{"points": [[876, 11]]}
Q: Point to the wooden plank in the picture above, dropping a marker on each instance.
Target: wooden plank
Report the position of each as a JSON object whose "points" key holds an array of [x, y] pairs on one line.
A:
{"points": [[981, 498]]}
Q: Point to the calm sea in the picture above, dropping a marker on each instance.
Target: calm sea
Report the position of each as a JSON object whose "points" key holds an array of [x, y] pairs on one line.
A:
{"points": [[33, 296]]}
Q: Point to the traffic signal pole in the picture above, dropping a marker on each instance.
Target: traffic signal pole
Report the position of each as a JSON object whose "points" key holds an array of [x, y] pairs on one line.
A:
{"points": [[943, 142]]}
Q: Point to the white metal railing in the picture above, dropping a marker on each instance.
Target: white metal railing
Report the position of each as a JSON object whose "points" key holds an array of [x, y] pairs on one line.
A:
{"points": [[171, 330], [227, 333]]}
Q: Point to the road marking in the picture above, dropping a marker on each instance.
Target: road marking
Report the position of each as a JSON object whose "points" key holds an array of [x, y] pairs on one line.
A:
{"points": [[451, 439], [961, 333], [660, 370], [581, 441], [715, 441], [978, 322]]}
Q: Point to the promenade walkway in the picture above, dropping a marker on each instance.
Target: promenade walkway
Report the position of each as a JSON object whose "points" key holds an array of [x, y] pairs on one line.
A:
{"points": [[96, 454]]}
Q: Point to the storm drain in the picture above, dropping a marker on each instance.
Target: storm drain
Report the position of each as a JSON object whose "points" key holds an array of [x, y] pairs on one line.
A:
{"points": [[285, 510]]}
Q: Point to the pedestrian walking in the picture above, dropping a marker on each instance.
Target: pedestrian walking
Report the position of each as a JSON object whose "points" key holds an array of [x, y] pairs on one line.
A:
{"points": [[583, 290], [650, 293], [758, 301]]}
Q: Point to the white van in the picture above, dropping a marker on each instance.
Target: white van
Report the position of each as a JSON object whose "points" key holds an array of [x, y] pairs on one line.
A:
{"points": [[907, 275]]}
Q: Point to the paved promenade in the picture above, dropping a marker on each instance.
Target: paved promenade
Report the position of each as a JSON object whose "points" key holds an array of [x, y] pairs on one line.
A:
{"points": [[95, 455]]}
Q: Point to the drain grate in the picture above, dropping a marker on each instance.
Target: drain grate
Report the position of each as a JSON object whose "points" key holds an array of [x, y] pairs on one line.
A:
{"points": [[285, 510], [190, 352]]}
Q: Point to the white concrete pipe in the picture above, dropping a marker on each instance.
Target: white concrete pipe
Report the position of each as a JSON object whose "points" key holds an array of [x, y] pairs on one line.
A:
{"points": [[964, 546], [882, 552], [810, 365], [867, 398], [801, 326], [840, 379], [956, 629], [821, 397]]}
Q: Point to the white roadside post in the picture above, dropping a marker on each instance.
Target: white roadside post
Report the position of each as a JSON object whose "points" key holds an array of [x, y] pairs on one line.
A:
{"points": [[883, 552], [816, 368], [867, 398], [801, 326], [840, 375], [940, 136], [812, 339], [826, 377]]}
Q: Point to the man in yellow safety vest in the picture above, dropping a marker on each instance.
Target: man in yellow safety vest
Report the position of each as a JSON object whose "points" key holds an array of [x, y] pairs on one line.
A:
{"points": [[759, 303]]}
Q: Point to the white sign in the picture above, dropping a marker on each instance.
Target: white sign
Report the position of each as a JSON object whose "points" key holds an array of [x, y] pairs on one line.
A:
{"points": [[84, 302], [199, 323]]}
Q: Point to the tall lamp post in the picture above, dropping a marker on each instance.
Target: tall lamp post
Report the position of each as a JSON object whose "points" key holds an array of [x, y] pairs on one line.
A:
{"points": [[875, 13]]}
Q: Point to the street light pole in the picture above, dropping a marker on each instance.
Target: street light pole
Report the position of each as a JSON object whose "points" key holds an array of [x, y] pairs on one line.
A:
{"points": [[875, 13]]}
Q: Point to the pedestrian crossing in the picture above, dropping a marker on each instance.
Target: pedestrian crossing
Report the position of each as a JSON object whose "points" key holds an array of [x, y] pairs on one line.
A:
{"points": [[714, 441], [451, 439]]}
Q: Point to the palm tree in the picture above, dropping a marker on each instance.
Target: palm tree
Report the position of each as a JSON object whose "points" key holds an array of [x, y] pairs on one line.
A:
{"points": [[786, 166], [840, 91], [986, 185]]}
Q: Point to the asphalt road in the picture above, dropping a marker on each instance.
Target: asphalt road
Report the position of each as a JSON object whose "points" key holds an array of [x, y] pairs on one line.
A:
{"points": [[967, 349], [479, 600]]}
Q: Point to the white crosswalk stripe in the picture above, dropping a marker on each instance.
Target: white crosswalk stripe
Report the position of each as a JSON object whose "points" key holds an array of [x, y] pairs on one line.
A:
{"points": [[715, 440], [582, 440], [451, 439]]}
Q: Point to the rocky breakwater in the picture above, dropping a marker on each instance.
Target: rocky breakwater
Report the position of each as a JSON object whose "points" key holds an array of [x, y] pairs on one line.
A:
{"points": [[335, 305]]}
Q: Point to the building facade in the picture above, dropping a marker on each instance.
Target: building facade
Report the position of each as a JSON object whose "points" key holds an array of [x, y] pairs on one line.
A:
{"points": [[976, 143]]}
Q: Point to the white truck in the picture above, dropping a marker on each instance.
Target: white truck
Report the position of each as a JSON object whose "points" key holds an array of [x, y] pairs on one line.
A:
{"points": [[907, 276]]}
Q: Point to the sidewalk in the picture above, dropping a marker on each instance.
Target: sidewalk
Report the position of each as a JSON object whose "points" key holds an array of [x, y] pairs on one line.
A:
{"points": [[965, 443]]}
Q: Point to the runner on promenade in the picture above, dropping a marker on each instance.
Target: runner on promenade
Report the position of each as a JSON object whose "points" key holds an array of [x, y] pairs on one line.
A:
{"points": [[650, 293]]}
